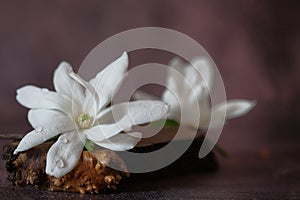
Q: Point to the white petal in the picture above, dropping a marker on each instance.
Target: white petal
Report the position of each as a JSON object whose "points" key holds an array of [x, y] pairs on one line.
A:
{"points": [[139, 112], [108, 81], [64, 154], [200, 72], [140, 95], [92, 100], [171, 100], [178, 89], [121, 142], [105, 131], [186, 104], [177, 64], [175, 75], [188, 91], [47, 124], [37, 98], [190, 111], [50, 120], [64, 84], [34, 138], [204, 108], [235, 108]]}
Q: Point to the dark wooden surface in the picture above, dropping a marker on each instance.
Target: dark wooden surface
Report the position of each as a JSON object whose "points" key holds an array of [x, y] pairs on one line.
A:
{"points": [[244, 175]]}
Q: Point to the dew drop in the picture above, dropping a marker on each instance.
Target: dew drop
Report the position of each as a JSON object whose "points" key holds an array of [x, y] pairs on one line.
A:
{"points": [[45, 91], [168, 107], [60, 163], [39, 129], [65, 141]]}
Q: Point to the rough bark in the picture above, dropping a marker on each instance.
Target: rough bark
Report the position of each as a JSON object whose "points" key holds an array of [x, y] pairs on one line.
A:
{"points": [[92, 174]]}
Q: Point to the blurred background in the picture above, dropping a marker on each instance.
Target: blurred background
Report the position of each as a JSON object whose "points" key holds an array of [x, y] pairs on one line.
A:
{"points": [[254, 43]]}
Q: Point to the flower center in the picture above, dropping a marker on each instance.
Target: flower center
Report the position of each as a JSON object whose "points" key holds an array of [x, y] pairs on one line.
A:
{"points": [[84, 121]]}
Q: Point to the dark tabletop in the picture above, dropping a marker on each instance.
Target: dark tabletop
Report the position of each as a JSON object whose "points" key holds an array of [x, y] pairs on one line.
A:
{"points": [[247, 175]]}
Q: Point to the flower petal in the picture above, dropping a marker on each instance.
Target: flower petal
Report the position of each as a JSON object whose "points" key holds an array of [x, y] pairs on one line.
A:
{"points": [[64, 84], [37, 98], [235, 108], [200, 72], [47, 124], [50, 120], [140, 95], [91, 102], [178, 89], [105, 131], [204, 108], [121, 142], [34, 138], [190, 92], [64, 154], [175, 75], [171, 100], [139, 112], [108, 81]]}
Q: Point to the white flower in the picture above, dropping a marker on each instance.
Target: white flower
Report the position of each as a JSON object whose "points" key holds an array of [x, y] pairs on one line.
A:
{"points": [[77, 111], [189, 85]]}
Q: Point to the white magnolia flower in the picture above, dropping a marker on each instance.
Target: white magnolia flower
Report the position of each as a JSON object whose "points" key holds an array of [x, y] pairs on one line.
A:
{"points": [[189, 85], [77, 111]]}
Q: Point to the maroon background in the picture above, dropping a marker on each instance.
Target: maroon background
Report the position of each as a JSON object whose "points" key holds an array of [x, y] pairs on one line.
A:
{"points": [[255, 45]]}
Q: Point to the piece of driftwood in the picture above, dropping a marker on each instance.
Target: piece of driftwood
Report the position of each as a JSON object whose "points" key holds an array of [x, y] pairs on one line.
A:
{"points": [[92, 174]]}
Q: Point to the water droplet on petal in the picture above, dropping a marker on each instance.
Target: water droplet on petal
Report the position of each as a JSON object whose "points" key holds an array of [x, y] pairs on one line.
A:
{"points": [[45, 91], [39, 129], [168, 107], [65, 141], [60, 163]]}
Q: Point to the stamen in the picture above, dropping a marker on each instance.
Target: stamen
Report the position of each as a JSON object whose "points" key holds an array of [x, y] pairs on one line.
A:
{"points": [[85, 121]]}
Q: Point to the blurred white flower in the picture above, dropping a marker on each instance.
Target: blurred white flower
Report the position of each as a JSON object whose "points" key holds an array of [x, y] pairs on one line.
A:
{"points": [[187, 90], [77, 111]]}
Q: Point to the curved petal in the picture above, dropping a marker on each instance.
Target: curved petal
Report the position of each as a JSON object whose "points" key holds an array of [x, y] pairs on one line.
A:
{"points": [[190, 111], [235, 108], [175, 75], [50, 120], [200, 72], [64, 154], [64, 84], [139, 112], [171, 100], [108, 81], [47, 124], [230, 109], [185, 103], [34, 138], [121, 142], [140, 96], [178, 93], [92, 100], [204, 108], [37, 98], [105, 131]]}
